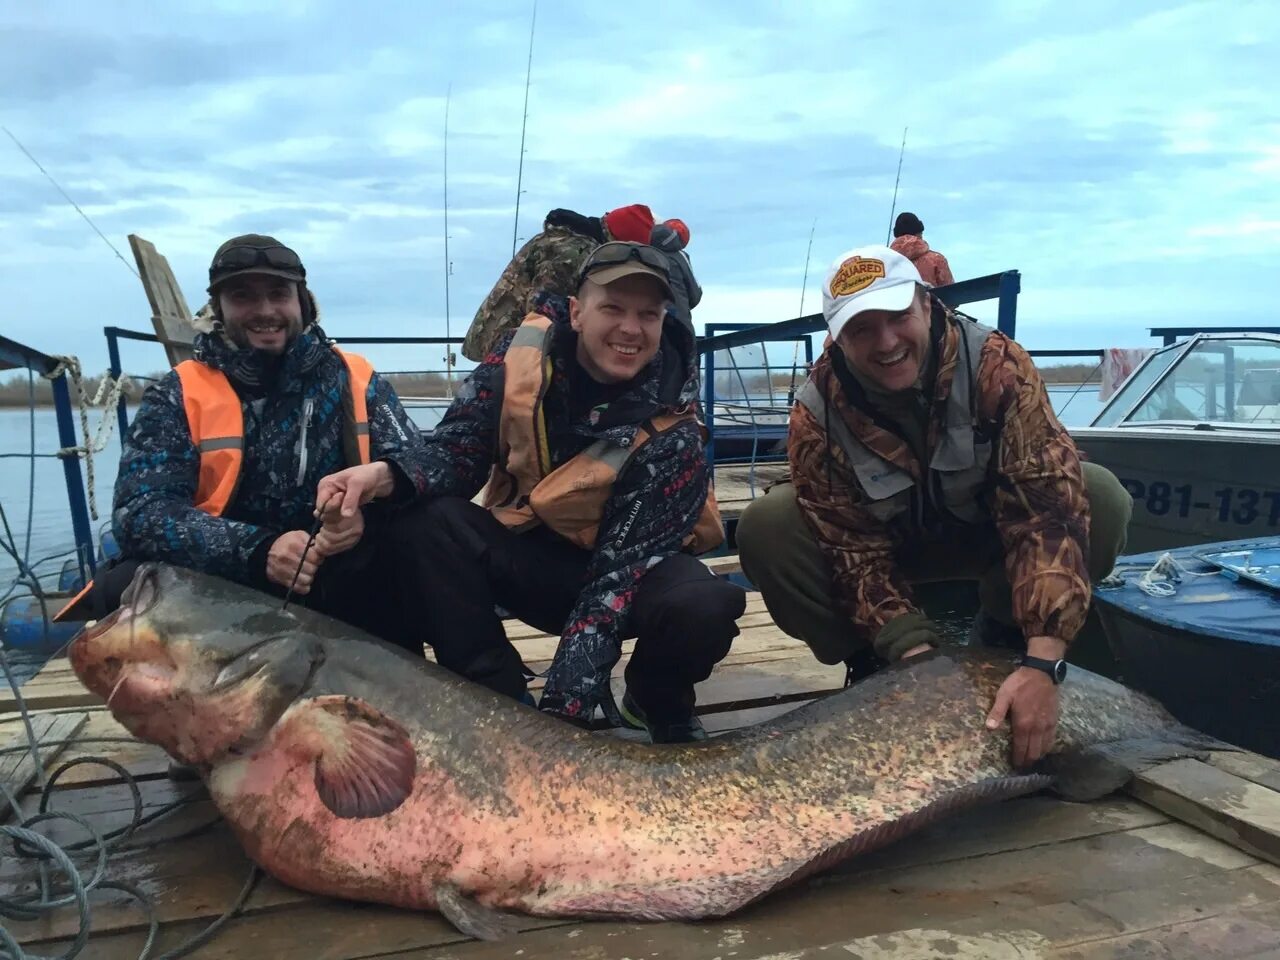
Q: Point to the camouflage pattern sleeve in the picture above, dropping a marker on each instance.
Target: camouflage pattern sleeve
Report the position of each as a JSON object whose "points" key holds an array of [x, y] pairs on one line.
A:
{"points": [[867, 582], [1040, 507], [548, 261]]}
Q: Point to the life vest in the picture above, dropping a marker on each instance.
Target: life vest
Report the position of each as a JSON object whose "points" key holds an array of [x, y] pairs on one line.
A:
{"points": [[216, 422], [523, 489], [958, 470]]}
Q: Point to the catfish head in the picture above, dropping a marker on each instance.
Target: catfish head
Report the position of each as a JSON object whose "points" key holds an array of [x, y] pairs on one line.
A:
{"points": [[200, 666]]}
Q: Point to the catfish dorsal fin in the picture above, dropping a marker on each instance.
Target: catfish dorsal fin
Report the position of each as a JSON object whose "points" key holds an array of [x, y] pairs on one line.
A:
{"points": [[365, 761]]}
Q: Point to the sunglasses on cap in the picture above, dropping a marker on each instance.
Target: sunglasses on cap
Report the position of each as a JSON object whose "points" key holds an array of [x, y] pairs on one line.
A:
{"points": [[245, 257], [617, 252]]}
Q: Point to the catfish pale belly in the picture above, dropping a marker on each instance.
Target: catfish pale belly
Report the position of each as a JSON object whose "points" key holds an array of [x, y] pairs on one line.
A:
{"points": [[350, 768]]}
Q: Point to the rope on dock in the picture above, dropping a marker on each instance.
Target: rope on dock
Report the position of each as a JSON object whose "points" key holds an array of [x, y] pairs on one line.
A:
{"points": [[64, 886], [110, 389]]}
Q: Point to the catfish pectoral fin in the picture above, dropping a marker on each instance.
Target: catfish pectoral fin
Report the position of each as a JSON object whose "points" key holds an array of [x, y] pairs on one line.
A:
{"points": [[1103, 768]]}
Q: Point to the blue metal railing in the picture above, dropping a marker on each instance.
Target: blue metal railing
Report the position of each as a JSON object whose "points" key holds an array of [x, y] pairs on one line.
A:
{"points": [[14, 355]]}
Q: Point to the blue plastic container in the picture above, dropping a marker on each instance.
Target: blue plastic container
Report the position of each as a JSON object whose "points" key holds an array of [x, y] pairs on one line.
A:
{"points": [[22, 626]]}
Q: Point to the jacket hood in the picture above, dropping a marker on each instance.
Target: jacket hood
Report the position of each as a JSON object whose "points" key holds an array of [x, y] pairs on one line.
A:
{"points": [[910, 246]]}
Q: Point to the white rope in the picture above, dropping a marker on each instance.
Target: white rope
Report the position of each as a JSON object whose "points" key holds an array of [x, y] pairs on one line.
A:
{"points": [[108, 397], [1165, 574]]}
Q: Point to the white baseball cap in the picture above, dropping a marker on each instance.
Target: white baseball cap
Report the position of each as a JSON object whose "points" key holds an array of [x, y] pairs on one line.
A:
{"points": [[867, 278]]}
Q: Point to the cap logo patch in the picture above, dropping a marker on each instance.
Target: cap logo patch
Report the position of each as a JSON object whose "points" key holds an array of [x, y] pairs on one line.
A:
{"points": [[856, 274]]}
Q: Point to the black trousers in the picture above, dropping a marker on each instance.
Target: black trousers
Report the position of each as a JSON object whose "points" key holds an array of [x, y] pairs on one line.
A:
{"points": [[466, 563]]}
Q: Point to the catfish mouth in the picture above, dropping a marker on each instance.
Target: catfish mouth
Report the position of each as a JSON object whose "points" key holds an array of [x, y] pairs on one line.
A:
{"points": [[108, 654]]}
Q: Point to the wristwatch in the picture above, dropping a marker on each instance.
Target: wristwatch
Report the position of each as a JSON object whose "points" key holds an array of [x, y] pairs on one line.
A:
{"points": [[1056, 669]]}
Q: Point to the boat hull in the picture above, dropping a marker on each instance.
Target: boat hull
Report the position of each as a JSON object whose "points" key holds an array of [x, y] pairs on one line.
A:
{"points": [[1190, 486]]}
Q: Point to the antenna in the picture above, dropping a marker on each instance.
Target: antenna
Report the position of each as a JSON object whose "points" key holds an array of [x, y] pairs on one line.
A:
{"points": [[515, 227], [70, 201], [448, 266], [894, 206]]}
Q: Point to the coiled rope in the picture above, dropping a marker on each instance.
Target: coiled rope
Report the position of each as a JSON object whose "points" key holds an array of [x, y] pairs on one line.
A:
{"points": [[110, 389]]}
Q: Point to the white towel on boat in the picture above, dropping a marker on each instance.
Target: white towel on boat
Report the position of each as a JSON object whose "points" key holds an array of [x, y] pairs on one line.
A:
{"points": [[1117, 364]]}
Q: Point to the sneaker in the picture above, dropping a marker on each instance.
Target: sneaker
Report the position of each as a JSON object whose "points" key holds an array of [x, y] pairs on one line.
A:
{"points": [[684, 730], [987, 631]]}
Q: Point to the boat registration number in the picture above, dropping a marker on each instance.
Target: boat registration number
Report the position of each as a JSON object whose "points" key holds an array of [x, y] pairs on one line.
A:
{"points": [[1239, 505]]}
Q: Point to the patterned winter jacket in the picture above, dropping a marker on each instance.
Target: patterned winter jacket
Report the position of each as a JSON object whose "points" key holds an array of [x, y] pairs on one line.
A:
{"points": [[933, 266], [667, 478], [285, 456], [1035, 497]]}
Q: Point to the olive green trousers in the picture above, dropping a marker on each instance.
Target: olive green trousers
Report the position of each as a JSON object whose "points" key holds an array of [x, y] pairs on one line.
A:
{"points": [[781, 556]]}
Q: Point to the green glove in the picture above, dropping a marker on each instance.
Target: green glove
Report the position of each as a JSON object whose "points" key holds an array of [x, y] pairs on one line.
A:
{"points": [[904, 632]]}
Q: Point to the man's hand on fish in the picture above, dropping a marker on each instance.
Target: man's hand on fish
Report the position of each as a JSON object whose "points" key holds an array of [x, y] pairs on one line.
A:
{"points": [[1029, 698], [343, 493], [283, 557], [339, 534]]}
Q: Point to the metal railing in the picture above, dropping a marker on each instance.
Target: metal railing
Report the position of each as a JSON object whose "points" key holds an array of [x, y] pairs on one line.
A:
{"points": [[14, 355]]}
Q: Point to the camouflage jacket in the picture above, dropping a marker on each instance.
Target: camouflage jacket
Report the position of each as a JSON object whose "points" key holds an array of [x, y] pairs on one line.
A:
{"points": [[548, 261], [293, 438], [1035, 496], [933, 266], [654, 503]]}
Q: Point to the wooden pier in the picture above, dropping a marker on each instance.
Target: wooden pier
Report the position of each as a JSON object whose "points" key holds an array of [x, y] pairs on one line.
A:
{"points": [[1183, 864]]}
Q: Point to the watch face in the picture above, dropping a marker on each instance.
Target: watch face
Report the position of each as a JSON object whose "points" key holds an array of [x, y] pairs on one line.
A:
{"points": [[1060, 671]]}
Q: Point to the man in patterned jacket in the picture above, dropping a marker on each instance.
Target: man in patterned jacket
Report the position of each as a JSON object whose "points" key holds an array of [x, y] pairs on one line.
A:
{"points": [[924, 447], [581, 427], [219, 469]]}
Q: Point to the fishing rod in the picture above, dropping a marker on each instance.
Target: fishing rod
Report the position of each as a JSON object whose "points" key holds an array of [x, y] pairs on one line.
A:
{"points": [[515, 227], [804, 284], [894, 206], [66, 197], [448, 265]]}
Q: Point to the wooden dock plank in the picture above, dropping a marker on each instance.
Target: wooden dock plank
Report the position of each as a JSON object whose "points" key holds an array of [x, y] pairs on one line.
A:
{"points": [[1241, 812], [844, 903], [984, 905], [199, 878], [1116, 877], [18, 770]]}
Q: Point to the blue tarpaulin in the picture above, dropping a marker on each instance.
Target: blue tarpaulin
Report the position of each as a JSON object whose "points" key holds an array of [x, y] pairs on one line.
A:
{"points": [[1205, 601]]}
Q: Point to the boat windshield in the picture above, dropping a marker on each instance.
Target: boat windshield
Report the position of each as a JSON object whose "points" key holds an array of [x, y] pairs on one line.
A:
{"points": [[1217, 381]]}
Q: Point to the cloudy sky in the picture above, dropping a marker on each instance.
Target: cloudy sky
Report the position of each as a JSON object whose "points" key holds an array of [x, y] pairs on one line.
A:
{"points": [[1124, 158]]}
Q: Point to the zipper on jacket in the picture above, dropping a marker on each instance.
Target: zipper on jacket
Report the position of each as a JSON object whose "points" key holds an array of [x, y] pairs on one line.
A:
{"points": [[308, 406]]}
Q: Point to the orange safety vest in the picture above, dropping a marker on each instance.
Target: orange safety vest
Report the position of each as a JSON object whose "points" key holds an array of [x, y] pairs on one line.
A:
{"points": [[216, 422], [523, 490]]}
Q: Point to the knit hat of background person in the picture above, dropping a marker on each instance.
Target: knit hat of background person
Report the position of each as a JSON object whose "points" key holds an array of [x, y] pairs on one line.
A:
{"points": [[632, 223], [907, 223]]}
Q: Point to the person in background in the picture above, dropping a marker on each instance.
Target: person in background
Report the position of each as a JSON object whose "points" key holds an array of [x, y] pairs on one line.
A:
{"points": [[909, 241]]}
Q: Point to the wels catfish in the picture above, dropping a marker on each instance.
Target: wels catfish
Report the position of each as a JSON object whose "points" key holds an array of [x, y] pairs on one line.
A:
{"points": [[350, 768]]}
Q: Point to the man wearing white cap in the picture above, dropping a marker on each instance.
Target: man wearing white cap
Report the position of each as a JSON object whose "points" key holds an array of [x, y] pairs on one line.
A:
{"points": [[923, 447]]}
